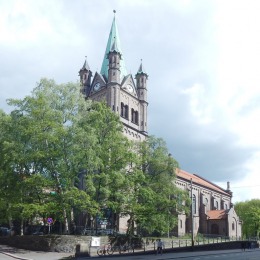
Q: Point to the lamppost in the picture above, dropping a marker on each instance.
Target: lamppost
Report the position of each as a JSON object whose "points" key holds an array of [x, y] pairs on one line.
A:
{"points": [[91, 224], [192, 220]]}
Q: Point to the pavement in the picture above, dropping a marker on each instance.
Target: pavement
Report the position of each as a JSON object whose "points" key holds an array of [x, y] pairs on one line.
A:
{"points": [[22, 254]]}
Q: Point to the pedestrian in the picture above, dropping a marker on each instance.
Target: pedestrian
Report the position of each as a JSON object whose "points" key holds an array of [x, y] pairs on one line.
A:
{"points": [[160, 246], [243, 245]]}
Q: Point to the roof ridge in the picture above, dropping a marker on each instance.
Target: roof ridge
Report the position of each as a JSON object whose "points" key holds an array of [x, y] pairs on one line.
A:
{"points": [[209, 182]]}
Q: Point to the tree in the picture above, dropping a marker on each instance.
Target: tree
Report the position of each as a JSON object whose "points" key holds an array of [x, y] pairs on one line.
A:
{"points": [[106, 177], [152, 199], [54, 136], [44, 138], [249, 213]]}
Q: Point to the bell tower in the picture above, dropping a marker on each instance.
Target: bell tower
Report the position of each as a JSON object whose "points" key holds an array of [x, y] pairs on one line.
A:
{"points": [[124, 94]]}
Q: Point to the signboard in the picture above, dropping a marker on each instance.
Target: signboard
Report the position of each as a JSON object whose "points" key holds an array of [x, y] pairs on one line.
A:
{"points": [[49, 221], [95, 241]]}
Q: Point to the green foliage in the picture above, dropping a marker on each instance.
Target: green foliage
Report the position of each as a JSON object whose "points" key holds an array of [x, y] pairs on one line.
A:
{"points": [[150, 191], [249, 213], [54, 135]]}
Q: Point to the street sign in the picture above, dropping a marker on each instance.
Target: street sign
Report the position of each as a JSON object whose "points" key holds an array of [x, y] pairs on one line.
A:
{"points": [[49, 221]]}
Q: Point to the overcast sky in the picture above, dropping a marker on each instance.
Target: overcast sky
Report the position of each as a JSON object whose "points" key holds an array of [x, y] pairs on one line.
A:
{"points": [[202, 58]]}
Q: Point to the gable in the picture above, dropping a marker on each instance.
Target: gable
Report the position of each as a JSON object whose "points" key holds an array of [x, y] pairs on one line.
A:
{"points": [[98, 83], [128, 85]]}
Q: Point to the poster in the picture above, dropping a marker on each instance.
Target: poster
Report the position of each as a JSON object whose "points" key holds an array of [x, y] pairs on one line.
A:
{"points": [[95, 241]]}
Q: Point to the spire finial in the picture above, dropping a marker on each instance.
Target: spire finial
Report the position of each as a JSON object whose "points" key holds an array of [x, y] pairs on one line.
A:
{"points": [[114, 11]]}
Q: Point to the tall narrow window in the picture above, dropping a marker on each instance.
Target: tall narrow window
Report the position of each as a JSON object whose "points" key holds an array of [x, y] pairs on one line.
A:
{"points": [[194, 204], [132, 115], [122, 109], [136, 117], [126, 111]]}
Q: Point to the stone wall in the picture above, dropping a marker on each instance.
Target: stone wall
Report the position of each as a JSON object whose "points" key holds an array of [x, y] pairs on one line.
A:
{"points": [[51, 243]]}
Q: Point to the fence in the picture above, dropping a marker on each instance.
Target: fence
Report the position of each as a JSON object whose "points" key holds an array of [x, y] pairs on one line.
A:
{"points": [[150, 245]]}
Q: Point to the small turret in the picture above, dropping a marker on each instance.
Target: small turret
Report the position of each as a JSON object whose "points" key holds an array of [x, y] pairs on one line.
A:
{"points": [[85, 75], [141, 83], [228, 189]]}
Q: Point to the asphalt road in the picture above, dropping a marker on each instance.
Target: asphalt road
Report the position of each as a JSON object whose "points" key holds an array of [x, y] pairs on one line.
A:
{"points": [[203, 255], [236, 254]]}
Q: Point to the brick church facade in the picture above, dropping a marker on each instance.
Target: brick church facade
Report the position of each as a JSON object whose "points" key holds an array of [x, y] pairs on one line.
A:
{"points": [[212, 209]]}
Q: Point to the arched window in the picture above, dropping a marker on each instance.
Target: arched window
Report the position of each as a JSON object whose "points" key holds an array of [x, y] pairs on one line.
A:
{"points": [[217, 205], [134, 116], [194, 204], [124, 110], [233, 226]]}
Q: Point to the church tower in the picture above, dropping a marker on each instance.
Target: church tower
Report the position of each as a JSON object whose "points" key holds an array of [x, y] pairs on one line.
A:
{"points": [[125, 96]]}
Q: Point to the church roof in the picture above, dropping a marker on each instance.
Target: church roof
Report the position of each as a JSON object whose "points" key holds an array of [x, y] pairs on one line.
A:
{"points": [[113, 44], [217, 214], [200, 181]]}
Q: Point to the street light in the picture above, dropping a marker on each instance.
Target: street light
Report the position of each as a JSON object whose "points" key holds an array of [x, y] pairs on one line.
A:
{"points": [[192, 220], [91, 224]]}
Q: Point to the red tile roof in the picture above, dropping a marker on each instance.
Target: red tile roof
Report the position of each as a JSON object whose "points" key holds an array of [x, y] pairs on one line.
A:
{"points": [[200, 181], [216, 214]]}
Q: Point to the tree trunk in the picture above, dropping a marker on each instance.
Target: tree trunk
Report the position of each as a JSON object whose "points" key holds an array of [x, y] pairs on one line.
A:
{"points": [[66, 223], [21, 230]]}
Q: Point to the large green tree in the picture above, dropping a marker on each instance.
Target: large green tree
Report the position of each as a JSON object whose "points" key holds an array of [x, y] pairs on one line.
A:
{"points": [[105, 179], [43, 138], [152, 200], [54, 137], [249, 213]]}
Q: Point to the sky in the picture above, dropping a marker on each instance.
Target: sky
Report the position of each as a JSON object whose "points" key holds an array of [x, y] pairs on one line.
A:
{"points": [[202, 58]]}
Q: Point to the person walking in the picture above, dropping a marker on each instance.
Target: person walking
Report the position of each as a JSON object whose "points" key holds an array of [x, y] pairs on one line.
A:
{"points": [[160, 246]]}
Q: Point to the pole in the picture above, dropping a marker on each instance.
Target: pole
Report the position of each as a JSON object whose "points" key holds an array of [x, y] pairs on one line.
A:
{"points": [[192, 221]]}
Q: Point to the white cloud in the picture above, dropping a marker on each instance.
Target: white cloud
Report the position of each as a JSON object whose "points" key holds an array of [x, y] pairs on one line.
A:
{"points": [[237, 74], [25, 23], [199, 103], [202, 57]]}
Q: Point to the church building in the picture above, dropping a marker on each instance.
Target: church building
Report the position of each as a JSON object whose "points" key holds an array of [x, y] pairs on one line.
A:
{"points": [[212, 209]]}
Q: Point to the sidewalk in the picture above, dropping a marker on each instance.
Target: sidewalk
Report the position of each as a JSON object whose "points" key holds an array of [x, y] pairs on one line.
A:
{"points": [[22, 254]]}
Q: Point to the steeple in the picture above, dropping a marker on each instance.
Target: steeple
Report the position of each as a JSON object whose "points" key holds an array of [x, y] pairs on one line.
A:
{"points": [[113, 44]]}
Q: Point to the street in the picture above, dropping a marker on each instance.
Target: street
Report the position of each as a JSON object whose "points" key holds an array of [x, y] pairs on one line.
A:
{"points": [[236, 254]]}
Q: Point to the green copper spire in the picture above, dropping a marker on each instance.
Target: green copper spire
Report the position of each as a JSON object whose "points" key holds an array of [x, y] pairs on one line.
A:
{"points": [[113, 44]]}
